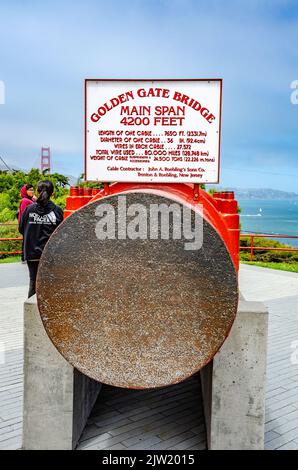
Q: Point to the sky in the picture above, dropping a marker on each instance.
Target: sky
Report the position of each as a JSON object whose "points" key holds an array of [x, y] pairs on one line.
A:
{"points": [[47, 49]]}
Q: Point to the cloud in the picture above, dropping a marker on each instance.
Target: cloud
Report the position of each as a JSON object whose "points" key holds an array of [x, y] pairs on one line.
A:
{"points": [[47, 49]]}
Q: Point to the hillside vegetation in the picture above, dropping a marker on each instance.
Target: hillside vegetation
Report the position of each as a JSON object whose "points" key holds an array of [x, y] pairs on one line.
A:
{"points": [[10, 185]]}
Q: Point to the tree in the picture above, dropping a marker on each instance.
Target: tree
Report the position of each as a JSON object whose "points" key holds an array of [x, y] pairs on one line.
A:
{"points": [[11, 183]]}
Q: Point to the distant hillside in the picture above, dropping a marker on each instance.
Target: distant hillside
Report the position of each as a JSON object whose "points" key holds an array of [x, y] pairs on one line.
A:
{"points": [[72, 179], [264, 193]]}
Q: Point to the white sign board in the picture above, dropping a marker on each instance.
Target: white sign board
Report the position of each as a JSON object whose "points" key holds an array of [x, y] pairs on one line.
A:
{"points": [[152, 130]]}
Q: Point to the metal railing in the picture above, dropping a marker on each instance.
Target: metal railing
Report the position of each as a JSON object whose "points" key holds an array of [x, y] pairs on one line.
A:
{"points": [[5, 239], [253, 248]]}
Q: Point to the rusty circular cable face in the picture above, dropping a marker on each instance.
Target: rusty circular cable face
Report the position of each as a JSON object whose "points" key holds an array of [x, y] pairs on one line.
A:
{"points": [[135, 313]]}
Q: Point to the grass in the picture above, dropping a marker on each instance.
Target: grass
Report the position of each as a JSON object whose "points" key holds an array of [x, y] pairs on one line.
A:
{"points": [[10, 259], [292, 267]]}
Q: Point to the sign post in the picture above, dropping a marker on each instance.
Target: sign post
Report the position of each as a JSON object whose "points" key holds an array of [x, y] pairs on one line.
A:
{"points": [[152, 130]]}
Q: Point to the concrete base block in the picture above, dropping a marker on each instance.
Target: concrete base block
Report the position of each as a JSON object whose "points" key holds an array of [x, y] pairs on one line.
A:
{"points": [[233, 384], [57, 398]]}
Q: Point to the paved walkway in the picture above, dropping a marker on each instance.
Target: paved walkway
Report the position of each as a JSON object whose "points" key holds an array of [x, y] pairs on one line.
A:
{"points": [[170, 418], [149, 419], [279, 291], [13, 290]]}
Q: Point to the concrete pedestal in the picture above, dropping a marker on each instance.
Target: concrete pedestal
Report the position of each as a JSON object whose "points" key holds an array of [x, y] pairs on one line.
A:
{"points": [[233, 384], [57, 398]]}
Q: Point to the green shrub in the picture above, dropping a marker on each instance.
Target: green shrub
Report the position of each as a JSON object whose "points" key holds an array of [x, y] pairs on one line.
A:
{"points": [[9, 231], [10, 185], [6, 215], [267, 256], [61, 200], [4, 201]]}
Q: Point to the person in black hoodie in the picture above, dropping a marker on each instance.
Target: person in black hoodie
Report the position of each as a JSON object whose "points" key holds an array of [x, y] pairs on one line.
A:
{"points": [[37, 224]]}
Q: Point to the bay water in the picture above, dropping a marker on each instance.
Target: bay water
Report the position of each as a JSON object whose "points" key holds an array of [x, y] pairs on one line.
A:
{"points": [[270, 216]]}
